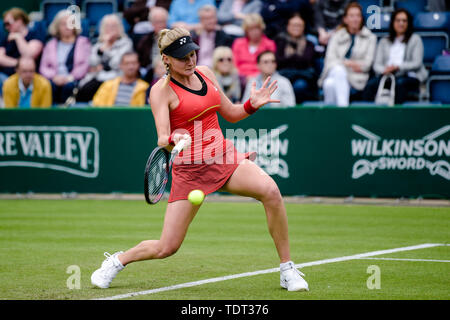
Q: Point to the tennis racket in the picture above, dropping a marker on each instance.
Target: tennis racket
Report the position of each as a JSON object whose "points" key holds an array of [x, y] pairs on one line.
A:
{"points": [[157, 171]]}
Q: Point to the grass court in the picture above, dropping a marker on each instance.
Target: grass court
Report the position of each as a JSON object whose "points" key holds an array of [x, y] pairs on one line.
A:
{"points": [[44, 241]]}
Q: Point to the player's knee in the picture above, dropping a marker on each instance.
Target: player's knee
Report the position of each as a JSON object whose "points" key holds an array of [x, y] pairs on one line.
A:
{"points": [[272, 193]]}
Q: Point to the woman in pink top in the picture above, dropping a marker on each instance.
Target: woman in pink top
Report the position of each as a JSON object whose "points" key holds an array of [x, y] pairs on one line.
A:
{"points": [[246, 49], [65, 59]]}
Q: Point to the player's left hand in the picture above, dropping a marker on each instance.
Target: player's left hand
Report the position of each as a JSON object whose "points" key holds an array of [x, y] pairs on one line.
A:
{"points": [[260, 97], [177, 137]]}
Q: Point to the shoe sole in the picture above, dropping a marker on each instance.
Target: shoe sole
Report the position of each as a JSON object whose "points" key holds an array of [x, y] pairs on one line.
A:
{"points": [[300, 289]]}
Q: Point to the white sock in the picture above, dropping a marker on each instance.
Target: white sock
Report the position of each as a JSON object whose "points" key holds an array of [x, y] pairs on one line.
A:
{"points": [[286, 265], [116, 258]]}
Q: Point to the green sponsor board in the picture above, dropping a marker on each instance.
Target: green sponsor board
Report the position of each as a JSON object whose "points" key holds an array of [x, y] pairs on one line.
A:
{"points": [[377, 152], [373, 151], [84, 150], [26, 5]]}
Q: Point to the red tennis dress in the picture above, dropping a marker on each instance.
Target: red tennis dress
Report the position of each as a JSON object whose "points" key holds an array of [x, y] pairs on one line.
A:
{"points": [[211, 159]]}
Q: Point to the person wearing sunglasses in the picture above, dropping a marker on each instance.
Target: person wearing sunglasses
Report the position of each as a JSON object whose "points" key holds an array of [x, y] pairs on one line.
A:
{"points": [[20, 41], [226, 73]]}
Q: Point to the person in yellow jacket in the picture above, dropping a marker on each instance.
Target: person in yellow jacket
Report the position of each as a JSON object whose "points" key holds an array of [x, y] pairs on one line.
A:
{"points": [[127, 90], [27, 89]]}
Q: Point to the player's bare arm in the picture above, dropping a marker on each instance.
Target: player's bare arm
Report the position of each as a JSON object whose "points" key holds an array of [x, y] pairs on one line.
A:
{"points": [[162, 100], [236, 112]]}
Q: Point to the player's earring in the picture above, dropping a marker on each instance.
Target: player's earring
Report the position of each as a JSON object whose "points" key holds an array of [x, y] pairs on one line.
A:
{"points": [[167, 68]]}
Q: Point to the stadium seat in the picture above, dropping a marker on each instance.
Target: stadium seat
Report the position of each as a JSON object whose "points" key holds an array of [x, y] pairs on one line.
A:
{"points": [[434, 28], [126, 25], [96, 9], [441, 65], [318, 104], [438, 83], [434, 42], [2, 31], [432, 21], [365, 104], [50, 8], [385, 21], [128, 3], [40, 28], [420, 104], [85, 27], [437, 87], [413, 7]]}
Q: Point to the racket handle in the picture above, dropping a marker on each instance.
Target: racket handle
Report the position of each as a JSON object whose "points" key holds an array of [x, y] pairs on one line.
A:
{"points": [[179, 146]]}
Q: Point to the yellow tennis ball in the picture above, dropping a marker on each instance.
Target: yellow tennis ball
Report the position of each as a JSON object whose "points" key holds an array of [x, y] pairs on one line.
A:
{"points": [[196, 197]]}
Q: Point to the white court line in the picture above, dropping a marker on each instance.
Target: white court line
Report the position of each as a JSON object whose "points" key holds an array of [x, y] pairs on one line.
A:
{"points": [[401, 259], [254, 273]]}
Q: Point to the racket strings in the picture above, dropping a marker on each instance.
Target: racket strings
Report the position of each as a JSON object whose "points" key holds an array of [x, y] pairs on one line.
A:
{"points": [[157, 175]]}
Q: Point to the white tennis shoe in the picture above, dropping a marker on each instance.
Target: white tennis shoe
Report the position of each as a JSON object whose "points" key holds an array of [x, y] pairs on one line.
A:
{"points": [[110, 268], [291, 279]]}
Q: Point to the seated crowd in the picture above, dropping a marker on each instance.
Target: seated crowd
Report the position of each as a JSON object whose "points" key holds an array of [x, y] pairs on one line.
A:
{"points": [[313, 55]]}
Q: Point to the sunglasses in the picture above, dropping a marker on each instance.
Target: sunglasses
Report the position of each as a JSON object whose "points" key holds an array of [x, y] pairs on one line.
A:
{"points": [[224, 59], [268, 61]]}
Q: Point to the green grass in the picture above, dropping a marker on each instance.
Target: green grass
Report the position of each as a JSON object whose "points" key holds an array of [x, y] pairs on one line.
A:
{"points": [[40, 239]]}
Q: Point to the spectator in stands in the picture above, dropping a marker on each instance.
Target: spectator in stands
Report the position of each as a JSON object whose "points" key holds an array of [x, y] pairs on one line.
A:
{"points": [[159, 71], [276, 14], [328, 15], [65, 59], [226, 73], [296, 56], [401, 54], [19, 41], [348, 59], [246, 49], [147, 47], [184, 13], [231, 14], [209, 35], [126, 90], [267, 65], [27, 89], [137, 15], [105, 56]]}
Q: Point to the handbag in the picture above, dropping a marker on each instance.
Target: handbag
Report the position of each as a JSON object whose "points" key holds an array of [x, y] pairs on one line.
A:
{"points": [[386, 96]]}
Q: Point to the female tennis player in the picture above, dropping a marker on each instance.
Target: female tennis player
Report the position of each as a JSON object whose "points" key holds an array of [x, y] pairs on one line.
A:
{"points": [[186, 100]]}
